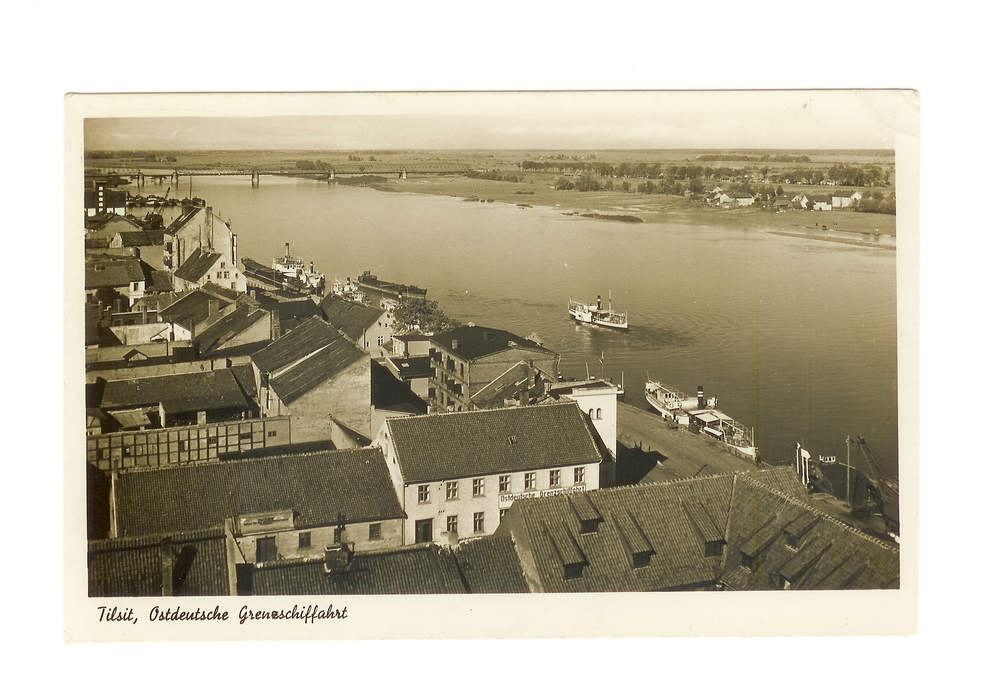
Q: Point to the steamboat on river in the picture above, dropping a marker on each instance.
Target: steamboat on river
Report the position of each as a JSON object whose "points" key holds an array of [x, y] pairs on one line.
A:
{"points": [[701, 415], [590, 314]]}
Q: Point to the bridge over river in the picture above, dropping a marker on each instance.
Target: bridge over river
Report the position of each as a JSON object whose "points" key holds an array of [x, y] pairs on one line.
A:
{"points": [[352, 169]]}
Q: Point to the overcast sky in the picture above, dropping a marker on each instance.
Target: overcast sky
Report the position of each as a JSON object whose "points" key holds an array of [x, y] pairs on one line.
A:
{"points": [[632, 120]]}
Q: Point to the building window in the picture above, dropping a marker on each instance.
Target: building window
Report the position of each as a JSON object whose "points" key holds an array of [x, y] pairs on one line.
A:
{"points": [[380, 340], [222, 265], [375, 531], [225, 275], [218, 275], [232, 285], [529, 481], [478, 487], [503, 512], [478, 522], [451, 490], [598, 414], [555, 477], [571, 571], [591, 412], [579, 475], [453, 524], [424, 493], [305, 540], [272, 433], [505, 483]]}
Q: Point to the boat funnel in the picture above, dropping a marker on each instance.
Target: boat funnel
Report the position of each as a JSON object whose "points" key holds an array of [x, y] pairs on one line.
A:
{"points": [[701, 397], [287, 252], [598, 302]]}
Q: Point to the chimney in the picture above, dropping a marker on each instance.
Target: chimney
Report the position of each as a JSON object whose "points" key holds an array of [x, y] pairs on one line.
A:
{"points": [[213, 308], [701, 397], [337, 559], [166, 568]]}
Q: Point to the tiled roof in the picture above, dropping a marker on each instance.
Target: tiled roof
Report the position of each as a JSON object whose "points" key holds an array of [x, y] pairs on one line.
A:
{"points": [[137, 238], [159, 282], [413, 570], [317, 486], [181, 220], [353, 319], [662, 519], [453, 445], [306, 357], [489, 565], [389, 392], [114, 273], [828, 555], [133, 567], [213, 389], [520, 377], [192, 307], [197, 265], [227, 327], [475, 342], [672, 527]]}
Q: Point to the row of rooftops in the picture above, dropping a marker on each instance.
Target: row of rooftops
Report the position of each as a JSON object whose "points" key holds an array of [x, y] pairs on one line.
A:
{"points": [[696, 533]]}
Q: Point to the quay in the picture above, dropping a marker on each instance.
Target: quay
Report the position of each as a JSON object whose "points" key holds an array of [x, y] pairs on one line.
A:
{"points": [[652, 449]]}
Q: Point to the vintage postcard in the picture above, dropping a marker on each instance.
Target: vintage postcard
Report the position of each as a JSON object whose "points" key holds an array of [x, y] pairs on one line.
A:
{"points": [[401, 365]]}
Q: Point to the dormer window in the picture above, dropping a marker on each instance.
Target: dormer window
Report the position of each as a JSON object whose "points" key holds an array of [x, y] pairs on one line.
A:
{"points": [[713, 548], [572, 571], [748, 561], [641, 559], [792, 540], [590, 525]]}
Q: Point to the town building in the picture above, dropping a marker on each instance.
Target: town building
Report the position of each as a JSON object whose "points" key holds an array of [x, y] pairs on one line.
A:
{"points": [[740, 531], [198, 228], [466, 359], [196, 310], [284, 507], [170, 565], [116, 449], [174, 400], [318, 377], [599, 400], [457, 474], [415, 570], [368, 327], [243, 330], [208, 267], [844, 198], [116, 282], [101, 195]]}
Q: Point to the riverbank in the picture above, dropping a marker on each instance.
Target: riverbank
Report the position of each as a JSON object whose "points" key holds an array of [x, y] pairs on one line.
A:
{"points": [[644, 207]]}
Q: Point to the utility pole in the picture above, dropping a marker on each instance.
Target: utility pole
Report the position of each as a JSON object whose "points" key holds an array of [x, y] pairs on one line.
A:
{"points": [[848, 471]]}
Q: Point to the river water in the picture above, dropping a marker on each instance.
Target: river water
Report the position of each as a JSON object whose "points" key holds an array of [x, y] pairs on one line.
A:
{"points": [[796, 337]]}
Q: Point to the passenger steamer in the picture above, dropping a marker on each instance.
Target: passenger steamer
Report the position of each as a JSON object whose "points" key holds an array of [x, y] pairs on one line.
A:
{"points": [[701, 414], [294, 269], [590, 314]]}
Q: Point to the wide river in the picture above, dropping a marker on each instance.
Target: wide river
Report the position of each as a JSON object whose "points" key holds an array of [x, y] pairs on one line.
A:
{"points": [[795, 337]]}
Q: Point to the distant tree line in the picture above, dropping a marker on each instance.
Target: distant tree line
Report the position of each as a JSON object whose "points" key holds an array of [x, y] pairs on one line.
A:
{"points": [[494, 175], [876, 202], [767, 157], [142, 156]]}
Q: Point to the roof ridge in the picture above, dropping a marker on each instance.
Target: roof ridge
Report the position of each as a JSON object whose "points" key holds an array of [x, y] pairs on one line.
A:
{"points": [[778, 493], [491, 410], [220, 462]]}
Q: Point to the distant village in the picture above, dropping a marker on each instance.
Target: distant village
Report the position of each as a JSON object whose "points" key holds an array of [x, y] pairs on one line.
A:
{"points": [[253, 430]]}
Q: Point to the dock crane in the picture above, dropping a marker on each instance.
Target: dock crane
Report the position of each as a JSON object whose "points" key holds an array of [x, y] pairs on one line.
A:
{"points": [[883, 490]]}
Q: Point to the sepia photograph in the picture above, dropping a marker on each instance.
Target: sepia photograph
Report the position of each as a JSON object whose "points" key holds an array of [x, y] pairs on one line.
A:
{"points": [[333, 357]]}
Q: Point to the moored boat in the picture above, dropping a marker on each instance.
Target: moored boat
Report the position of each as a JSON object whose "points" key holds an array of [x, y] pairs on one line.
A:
{"points": [[294, 268], [590, 314], [701, 415]]}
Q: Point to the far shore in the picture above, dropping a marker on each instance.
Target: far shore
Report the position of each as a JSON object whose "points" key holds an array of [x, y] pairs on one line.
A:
{"points": [[652, 207]]}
